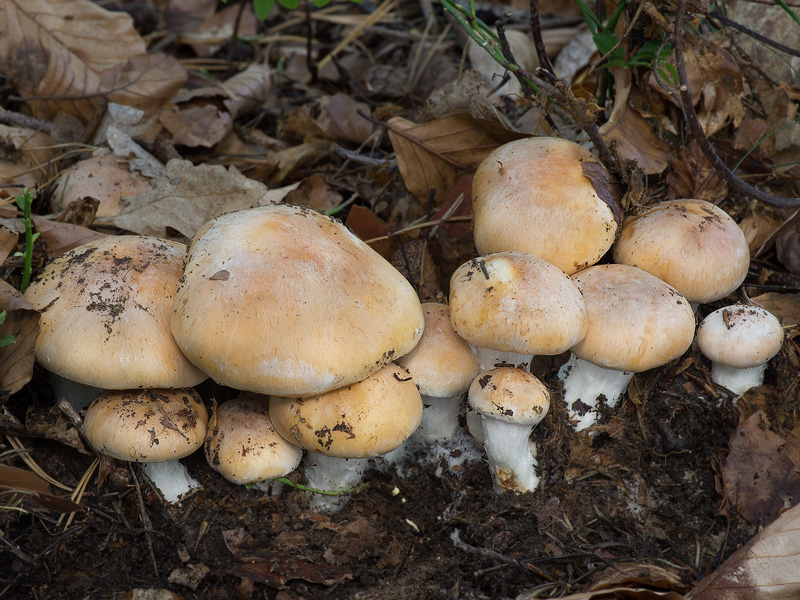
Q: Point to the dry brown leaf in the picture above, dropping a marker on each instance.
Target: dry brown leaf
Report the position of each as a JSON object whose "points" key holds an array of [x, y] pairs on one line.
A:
{"points": [[31, 486], [315, 193], [61, 237], [433, 155], [196, 125], [31, 154], [635, 139], [757, 475], [339, 118], [67, 55], [757, 228], [207, 37], [16, 360], [766, 568], [188, 196], [692, 176], [8, 239], [784, 306]]}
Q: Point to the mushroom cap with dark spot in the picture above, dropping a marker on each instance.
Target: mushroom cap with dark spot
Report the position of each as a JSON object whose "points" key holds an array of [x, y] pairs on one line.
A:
{"points": [[510, 394], [740, 336]]}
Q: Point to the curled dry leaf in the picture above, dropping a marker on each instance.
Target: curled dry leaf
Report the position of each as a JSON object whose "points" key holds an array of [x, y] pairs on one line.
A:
{"points": [[757, 474], [784, 306], [433, 155], [31, 486], [766, 568], [8, 239], [22, 322], [31, 155], [58, 238], [67, 55], [185, 197]]}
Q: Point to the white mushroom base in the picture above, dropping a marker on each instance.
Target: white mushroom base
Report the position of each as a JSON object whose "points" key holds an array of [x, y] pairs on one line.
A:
{"points": [[737, 380], [439, 419], [511, 462], [171, 479], [331, 474], [585, 382]]}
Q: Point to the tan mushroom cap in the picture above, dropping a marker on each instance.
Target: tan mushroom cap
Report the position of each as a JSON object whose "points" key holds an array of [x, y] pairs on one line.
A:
{"points": [[740, 336], [532, 195], [362, 420], [105, 177], [105, 310], [510, 394], [636, 321], [146, 425], [443, 364], [694, 246], [516, 302], [242, 445], [283, 300]]}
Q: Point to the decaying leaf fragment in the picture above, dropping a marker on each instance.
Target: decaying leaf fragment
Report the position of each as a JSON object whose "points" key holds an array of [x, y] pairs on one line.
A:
{"points": [[30, 485], [16, 360]]}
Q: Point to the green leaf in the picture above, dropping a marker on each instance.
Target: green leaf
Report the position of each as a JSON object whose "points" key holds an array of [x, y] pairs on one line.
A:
{"points": [[263, 8], [605, 42], [321, 3], [290, 4]]}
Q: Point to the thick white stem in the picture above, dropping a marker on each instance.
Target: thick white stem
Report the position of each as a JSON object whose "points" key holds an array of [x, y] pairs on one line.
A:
{"points": [[77, 394], [737, 380], [584, 383], [439, 419], [332, 474], [171, 478], [488, 359], [510, 460]]}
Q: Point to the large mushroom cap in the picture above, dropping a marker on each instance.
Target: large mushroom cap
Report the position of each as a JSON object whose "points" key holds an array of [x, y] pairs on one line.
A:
{"points": [[516, 302], [146, 425], [105, 314], [740, 336], [443, 364], [636, 321], [283, 300], [362, 420], [533, 195], [243, 446], [694, 246]]}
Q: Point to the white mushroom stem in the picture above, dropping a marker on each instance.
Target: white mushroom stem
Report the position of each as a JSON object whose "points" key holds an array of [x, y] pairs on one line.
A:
{"points": [[331, 474], [488, 359], [171, 479], [737, 380], [77, 394], [584, 383], [439, 418], [510, 460]]}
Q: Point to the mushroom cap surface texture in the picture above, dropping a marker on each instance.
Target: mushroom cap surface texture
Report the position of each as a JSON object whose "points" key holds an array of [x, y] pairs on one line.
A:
{"points": [[694, 246], [532, 195], [362, 420], [146, 425], [510, 394], [443, 364], [636, 321], [283, 300], [740, 336], [242, 445], [516, 302], [106, 307]]}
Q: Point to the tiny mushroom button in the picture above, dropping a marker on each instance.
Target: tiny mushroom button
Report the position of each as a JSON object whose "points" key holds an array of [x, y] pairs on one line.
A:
{"points": [[739, 340]]}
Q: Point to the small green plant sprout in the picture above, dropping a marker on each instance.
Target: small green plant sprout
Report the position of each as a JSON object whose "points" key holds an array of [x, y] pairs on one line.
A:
{"points": [[24, 202], [6, 340], [263, 8]]}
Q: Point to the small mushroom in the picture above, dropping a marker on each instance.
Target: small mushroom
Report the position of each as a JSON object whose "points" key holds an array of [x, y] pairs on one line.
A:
{"points": [[510, 402], [739, 340], [153, 427]]}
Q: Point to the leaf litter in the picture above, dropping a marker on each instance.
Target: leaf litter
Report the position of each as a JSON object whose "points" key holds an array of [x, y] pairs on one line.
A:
{"points": [[681, 493]]}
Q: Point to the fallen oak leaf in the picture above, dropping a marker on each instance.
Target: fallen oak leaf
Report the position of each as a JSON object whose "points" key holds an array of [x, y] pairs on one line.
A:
{"points": [[35, 488]]}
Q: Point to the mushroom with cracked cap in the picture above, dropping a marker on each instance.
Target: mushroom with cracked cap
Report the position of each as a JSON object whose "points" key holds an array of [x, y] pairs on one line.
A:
{"points": [[739, 340]]}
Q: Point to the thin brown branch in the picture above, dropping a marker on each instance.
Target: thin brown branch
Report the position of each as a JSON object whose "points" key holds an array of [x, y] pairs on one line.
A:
{"points": [[538, 40], [696, 129]]}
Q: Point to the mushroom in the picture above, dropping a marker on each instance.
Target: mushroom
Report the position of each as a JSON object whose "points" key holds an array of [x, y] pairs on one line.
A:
{"points": [[510, 402], [636, 322], [543, 196], [282, 300], [242, 445], [739, 340], [443, 366], [694, 246], [153, 427], [512, 305], [105, 309], [343, 428]]}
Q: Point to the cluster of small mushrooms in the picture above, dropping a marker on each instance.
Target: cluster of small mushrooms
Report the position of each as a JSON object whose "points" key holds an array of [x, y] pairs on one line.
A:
{"points": [[336, 356]]}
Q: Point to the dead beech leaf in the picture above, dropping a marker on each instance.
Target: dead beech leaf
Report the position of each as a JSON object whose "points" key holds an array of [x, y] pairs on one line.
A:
{"points": [[784, 306], [67, 55], [757, 475], [315, 193], [8, 239], [31, 154], [766, 568], [185, 197], [31, 486], [757, 228], [196, 125], [61, 237], [692, 176], [16, 360], [433, 155], [339, 118]]}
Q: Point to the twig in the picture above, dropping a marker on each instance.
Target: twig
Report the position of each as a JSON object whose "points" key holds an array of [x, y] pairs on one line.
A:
{"points": [[538, 40], [419, 226], [696, 129], [753, 34], [9, 117]]}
